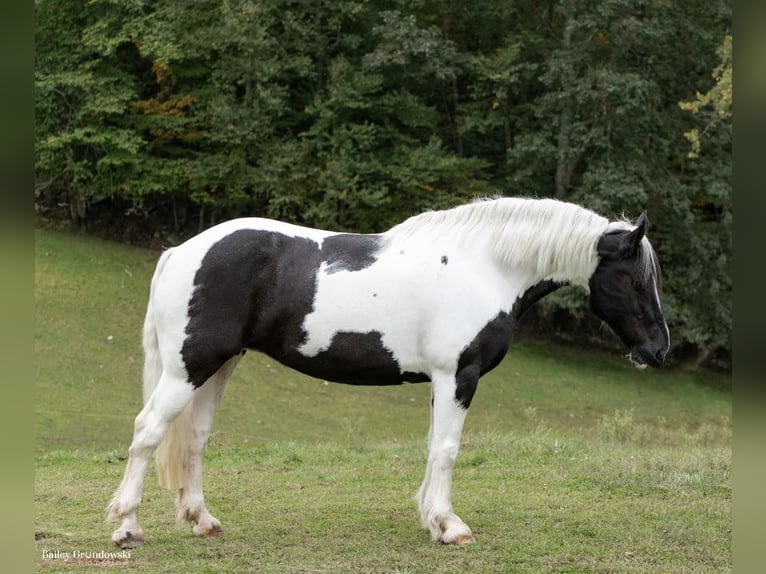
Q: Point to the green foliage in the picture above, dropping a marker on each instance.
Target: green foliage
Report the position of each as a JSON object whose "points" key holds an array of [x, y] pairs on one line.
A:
{"points": [[353, 115], [714, 105]]}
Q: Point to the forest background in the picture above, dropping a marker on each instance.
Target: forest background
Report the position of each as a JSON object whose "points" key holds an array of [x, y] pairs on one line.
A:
{"points": [[154, 120]]}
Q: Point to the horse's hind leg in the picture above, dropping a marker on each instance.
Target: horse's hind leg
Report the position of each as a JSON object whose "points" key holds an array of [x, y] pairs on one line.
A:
{"points": [[169, 398], [191, 502]]}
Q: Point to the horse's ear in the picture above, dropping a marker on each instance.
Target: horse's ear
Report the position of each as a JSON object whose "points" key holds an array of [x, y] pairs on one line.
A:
{"points": [[623, 244], [631, 241], [643, 222]]}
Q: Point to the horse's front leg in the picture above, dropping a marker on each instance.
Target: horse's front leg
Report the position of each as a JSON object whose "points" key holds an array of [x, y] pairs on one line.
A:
{"points": [[435, 495]]}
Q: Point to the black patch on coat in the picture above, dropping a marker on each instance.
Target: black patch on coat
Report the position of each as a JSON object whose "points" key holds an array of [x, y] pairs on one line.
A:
{"points": [[357, 359], [445, 260], [254, 289], [491, 344], [350, 252]]}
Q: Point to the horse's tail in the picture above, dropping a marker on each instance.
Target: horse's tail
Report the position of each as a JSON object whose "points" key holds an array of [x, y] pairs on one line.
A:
{"points": [[152, 360], [172, 453]]}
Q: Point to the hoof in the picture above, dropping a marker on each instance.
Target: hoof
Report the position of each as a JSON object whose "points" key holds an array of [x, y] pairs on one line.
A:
{"points": [[464, 539], [127, 539], [457, 534], [208, 531]]}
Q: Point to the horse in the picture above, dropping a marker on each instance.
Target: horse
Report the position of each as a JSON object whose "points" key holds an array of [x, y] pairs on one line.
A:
{"points": [[435, 298]]}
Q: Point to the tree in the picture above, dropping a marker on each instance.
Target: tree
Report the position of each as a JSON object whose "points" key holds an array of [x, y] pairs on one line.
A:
{"points": [[84, 143], [705, 319], [714, 106]]}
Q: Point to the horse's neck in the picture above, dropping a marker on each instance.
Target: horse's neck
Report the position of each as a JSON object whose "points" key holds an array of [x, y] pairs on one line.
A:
{"points": [[545, 239], [560, 260]]}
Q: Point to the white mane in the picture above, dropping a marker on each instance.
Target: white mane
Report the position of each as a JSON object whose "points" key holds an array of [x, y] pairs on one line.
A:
{"points": [[553, 239]]}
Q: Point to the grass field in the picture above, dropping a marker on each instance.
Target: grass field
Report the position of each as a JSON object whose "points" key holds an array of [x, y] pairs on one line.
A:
{"points": [[571, 461]]}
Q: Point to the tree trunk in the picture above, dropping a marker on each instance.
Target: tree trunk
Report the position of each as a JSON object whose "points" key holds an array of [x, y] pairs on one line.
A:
{"points": [[563, 167]]}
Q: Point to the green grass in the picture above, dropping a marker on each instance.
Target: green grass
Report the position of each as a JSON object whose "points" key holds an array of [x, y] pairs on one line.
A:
{"points": [[571, 461], [536, 504]]}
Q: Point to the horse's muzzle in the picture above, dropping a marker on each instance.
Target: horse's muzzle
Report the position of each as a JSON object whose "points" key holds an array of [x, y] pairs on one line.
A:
{"points": [[642, 358]]}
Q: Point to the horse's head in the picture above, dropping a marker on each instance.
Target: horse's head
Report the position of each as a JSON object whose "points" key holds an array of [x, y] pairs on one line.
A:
{"points": [[624, 293]]}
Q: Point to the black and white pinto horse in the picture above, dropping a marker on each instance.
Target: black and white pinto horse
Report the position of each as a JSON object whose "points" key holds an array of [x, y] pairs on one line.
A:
{"points": [[436, 298]]}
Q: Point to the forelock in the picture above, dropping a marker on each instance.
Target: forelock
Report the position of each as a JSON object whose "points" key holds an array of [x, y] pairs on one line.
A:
{"points": [[647, 267]]}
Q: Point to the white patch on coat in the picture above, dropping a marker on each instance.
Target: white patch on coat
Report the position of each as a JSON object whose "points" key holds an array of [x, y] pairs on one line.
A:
{"points": [[425, 311]]}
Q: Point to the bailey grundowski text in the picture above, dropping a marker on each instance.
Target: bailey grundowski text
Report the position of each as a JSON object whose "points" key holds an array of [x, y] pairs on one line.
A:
{"points": [[85, 555]]}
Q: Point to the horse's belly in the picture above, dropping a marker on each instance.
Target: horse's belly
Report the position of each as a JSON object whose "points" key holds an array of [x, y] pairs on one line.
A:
{"points": [[353, 358]]}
